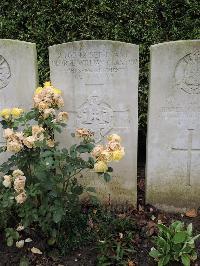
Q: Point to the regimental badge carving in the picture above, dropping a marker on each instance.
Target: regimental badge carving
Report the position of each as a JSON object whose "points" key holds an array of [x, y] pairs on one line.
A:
{"points": [[95, 115], [5, 72], [187, 73]]}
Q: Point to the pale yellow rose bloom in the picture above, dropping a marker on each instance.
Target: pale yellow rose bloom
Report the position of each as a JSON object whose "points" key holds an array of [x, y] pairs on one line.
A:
{"points": [[47, 84], [37, 130], [19, 184], [114, 137], [57, 91], [118, 154], [50, 143], [16, 112], [20, 228], [113, 146], [38, 90], [42, 106], [8, 132], [21, 198], [97, 150], [105, 156], [20, 244], [17, 173], [7, 181], [48, 112], [100, 167], [29, 141], [5, 113], [62, 116], [14, 146]]}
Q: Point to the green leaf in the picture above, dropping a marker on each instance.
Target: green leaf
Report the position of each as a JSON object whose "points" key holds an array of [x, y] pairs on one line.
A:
{"points": [[166, 259], [106, 177], [24, 262], [154, 253], [57, 215], [189, 229], [185, 260], [9, 241], [164, 229], [179, 237]]}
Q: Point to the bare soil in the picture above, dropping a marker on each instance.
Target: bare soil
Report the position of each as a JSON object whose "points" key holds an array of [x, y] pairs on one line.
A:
{"points": [[145, 217]]}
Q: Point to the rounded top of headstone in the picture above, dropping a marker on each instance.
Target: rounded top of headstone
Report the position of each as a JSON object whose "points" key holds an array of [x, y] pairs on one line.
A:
{"points": [[173, 43], [11, 41], [82, 42]]}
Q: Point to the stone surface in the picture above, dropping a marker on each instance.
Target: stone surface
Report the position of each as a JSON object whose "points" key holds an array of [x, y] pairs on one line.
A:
{"points": [[100, 83], [18, 74], [173, 145]]}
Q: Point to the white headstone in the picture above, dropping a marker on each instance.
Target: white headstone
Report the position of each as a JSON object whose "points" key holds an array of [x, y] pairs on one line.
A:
{"points": [[100, 83], [173, 146], [18, 75]]}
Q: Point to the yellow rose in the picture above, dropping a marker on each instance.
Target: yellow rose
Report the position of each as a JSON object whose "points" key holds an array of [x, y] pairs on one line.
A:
{"points": [[7, 181], [29, 141], [57, 91], [5, 113], [100, 167], [38, 90], [50, 143], [16, 112], [20, 244], [8, 132], [47, 84], [114, 137], [62, 117], [105, 156], [118, 154], [17, 173], [21, 198], [19, 184], [14, 146], [96, 152]]}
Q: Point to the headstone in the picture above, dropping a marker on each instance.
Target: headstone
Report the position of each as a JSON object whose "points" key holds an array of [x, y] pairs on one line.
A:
{"points": [[18, 75], [173, 157], [100, 83]]}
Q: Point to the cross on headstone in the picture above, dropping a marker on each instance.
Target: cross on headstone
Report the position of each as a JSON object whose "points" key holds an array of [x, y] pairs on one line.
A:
{"points": [[189, 150], [95, 114]]}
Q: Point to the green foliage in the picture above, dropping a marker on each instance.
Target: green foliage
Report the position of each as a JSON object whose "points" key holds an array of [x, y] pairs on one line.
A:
{"points": [[174, 243], [115, 237], [40, 186], [141, 22], [11, 235]]}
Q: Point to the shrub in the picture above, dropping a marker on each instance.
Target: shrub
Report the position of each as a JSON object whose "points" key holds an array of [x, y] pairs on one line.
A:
{"points": [[174, 243], [141, 22], [40, 186]]}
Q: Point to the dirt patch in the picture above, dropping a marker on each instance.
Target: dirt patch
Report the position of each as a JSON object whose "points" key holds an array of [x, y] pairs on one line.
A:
{"points": [[145, 218]]}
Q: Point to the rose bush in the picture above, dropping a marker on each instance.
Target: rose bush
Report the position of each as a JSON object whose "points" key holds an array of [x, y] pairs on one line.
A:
{"points": [[39, 185]]}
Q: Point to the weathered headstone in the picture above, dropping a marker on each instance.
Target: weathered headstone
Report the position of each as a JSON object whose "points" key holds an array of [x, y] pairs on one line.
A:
{"points": [[18, 75], [100, 83], [173, 157]]}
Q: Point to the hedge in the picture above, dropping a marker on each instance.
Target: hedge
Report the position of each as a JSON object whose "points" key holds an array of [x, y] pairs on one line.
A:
{"points": [[144, 22]]}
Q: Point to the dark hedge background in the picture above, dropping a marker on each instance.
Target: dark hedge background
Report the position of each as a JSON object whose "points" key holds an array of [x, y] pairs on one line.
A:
{"points": [[144, 22]]}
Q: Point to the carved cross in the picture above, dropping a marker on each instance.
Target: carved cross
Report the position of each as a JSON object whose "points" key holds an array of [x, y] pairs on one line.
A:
{"points": [[97, 115], [189, 151]]}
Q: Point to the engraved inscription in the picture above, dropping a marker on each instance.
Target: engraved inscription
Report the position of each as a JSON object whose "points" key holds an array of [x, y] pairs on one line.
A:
{"points": [[187, 73], [5, 72], [95, 115], [93, 61], [179, 113], [189, 151]]}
